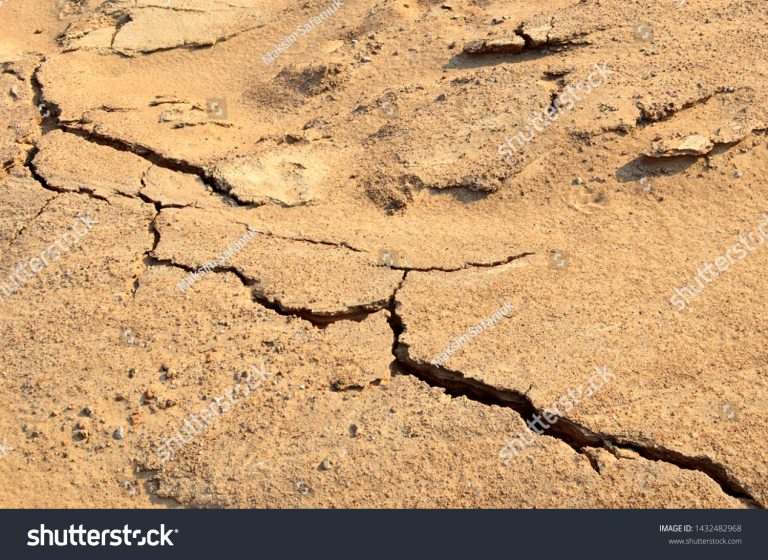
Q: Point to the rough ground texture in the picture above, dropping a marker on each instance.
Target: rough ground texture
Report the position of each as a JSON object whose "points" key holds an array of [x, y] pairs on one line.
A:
{"points": [[385, 224]]}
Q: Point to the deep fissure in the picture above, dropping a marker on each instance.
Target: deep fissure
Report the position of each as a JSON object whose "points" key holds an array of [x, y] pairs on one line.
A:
{"points": [[578, 437]]}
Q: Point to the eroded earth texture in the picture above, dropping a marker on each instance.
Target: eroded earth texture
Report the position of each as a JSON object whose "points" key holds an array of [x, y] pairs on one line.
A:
{"points": [[396, 253]]}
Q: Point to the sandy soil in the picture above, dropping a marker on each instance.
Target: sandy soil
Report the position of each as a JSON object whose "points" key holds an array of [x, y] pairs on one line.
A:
{"points": [[398, 287]]}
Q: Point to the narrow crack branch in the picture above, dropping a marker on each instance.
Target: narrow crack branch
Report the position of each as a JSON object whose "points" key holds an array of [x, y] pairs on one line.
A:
{"points": [[149, 254], [32, 219], [339, 244], [40, 179], [156, 159], [466, 266], [357, 313], [51, 120], [648, 116], [321, 320]]}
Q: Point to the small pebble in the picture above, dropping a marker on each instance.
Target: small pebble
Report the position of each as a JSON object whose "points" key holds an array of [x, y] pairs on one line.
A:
{"points": [[119, 434]]}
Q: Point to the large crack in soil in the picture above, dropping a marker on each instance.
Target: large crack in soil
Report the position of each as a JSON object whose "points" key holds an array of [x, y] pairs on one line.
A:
{"points": [[573, 434]]}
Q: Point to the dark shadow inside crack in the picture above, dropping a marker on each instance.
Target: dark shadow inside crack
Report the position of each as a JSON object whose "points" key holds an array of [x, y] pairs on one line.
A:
{"points": [[578, 437]]}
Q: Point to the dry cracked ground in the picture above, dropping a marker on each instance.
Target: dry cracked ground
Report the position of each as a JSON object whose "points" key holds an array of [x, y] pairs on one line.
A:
{"points": [[359, 219]]}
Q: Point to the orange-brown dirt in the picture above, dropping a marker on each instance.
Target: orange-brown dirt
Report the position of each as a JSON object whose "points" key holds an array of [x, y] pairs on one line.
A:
{"points": [[348, 176]]}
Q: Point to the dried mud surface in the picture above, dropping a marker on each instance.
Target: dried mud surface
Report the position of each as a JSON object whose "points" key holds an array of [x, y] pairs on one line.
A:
{"points": [[363, 165]]}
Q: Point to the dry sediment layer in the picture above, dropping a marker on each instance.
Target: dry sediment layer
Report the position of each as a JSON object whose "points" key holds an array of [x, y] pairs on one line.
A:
{"points": [[367, 157]]}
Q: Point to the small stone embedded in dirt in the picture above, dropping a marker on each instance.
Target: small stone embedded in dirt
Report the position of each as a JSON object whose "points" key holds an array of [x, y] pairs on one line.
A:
{"points": [[538, 35], [167, 403], [508, 45], [693, 145], [326, 465], [118, 433], [80, 432], [167, 373], [129, 337]]}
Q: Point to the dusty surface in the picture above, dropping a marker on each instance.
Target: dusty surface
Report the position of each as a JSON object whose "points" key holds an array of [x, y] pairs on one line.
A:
{"points": [[356, 215]]}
